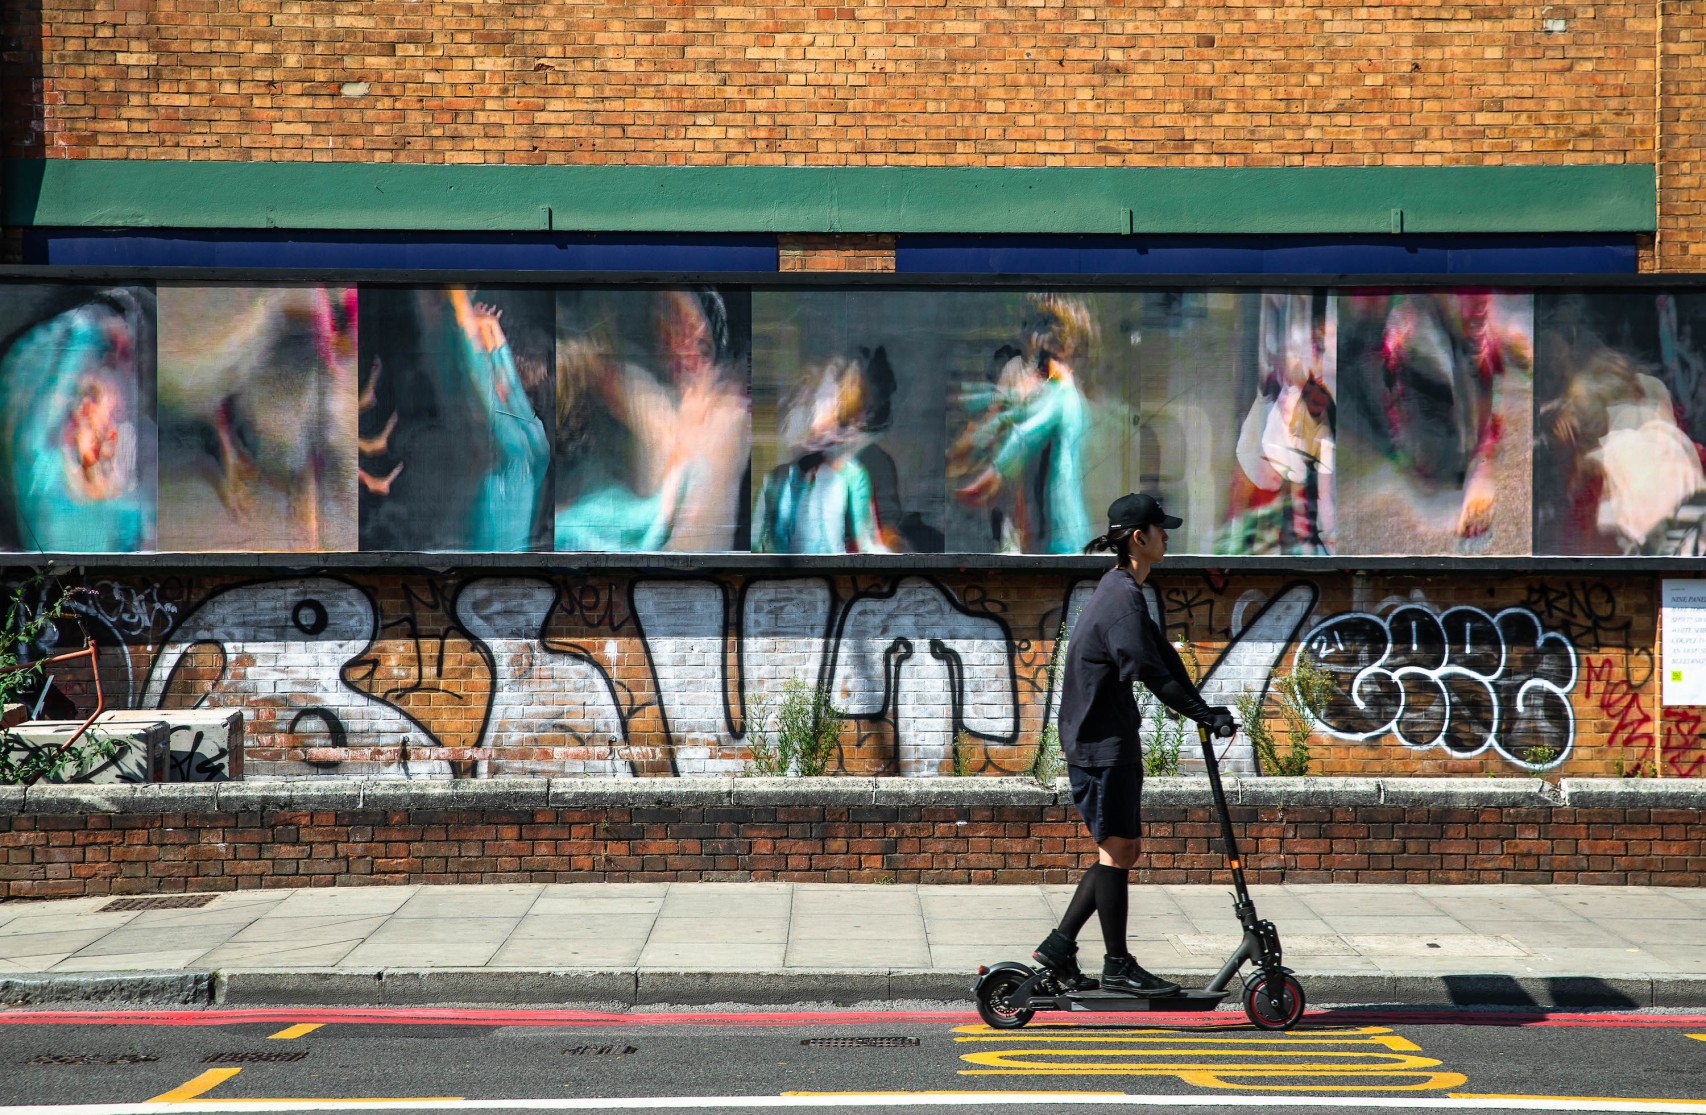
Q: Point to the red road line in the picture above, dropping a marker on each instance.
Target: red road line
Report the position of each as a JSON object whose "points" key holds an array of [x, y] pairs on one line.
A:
{"points": [[451, 1016]]}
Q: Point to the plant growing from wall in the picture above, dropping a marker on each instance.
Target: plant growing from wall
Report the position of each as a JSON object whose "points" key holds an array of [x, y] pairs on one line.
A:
{"points": [[763, 756], [1163, 729], [1049, 762], [960, 753], [807, 735], [33, 609], [1297, 694]]}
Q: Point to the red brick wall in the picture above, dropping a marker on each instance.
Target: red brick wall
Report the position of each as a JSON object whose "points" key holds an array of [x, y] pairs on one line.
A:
{"points": [[894, 84], [551, 674], [95, 854]]}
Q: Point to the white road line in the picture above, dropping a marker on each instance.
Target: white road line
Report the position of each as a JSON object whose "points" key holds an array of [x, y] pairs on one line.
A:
{"points": [[1051, 1100]]}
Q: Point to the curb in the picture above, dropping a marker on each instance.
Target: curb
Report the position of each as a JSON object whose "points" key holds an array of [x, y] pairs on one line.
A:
{"points": [[589, 988]]}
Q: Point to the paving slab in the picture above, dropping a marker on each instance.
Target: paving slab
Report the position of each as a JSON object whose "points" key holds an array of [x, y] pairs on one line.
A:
{"points": [[778, 943]]}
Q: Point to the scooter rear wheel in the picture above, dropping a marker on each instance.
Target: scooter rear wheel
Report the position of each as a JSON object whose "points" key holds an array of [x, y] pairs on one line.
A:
{"points": [[1263, 1013], [992, 1005]]}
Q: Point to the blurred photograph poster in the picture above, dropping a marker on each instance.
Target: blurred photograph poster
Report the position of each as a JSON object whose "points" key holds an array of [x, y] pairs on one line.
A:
{"points": [[1436, 393], [1620, 423]]}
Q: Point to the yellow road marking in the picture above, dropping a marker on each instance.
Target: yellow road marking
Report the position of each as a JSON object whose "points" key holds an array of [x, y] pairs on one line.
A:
{"points": [[190, 1089], [297, 1030], [1576, 1099], [1377, 1058], [1696, 1037]]}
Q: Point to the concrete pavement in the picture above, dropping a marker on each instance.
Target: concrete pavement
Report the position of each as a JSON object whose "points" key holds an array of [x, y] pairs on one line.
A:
{"points": [[780, 943]]}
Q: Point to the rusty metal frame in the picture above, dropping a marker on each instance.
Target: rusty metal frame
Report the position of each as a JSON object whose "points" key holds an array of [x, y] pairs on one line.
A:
{"points": [[89, 651]]}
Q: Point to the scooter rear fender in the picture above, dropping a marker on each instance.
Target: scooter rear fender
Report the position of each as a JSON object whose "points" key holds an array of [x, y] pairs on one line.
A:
{"points": [[1005, 966]]}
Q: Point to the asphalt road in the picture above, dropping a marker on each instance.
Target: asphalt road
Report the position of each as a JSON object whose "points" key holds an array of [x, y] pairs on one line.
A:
{"points": [[515, 1060]]}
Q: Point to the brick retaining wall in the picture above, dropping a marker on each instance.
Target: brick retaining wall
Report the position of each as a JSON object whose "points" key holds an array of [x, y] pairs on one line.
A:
{"points": [[95, 840]]}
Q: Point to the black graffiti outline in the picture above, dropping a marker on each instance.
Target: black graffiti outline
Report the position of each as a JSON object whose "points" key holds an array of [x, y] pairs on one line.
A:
{"points": [[489, 656], [889, 710], [1493, 681], [334, 724], [730, 597]]}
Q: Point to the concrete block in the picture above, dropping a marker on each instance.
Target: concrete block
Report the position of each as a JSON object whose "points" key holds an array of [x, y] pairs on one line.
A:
{"points": [[923, 983], [1467, 793], [1344, 988], [804, 791], [139, 744], [604, 793], [132, 988], [11, 800], [13, 714], [1680, 991], [498, 793], [311, 794], [961, 792], [1635, 793], [792, 985], [1499, 989], [176, 797], [1308, 791], [74, 798], [408, 794], [202, 744], [1184, 790], [568, 987]]}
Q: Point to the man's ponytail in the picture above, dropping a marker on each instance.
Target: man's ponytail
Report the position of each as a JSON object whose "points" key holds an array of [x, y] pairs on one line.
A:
{"points": [[1113, 542]]}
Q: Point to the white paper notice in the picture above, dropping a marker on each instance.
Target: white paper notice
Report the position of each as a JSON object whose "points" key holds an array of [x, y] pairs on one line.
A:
{"points": [[1682, 655]]}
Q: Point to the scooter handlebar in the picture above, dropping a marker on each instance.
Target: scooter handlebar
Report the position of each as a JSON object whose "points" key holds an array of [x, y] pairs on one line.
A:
{"points": [[1226, 731]]}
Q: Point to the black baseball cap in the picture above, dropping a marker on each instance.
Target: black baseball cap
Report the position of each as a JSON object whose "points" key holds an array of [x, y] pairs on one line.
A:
{"points": [[1140, 509]]}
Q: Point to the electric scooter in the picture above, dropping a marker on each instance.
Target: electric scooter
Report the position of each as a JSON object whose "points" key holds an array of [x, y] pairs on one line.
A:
{"points": [[1009, 994]]}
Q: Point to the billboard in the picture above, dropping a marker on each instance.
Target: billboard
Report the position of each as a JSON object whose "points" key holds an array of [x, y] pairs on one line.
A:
{"points": [[209, 416]]}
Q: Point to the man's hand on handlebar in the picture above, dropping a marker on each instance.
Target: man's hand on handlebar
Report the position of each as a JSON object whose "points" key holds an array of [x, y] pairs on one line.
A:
{"points": [[1220, 722]]}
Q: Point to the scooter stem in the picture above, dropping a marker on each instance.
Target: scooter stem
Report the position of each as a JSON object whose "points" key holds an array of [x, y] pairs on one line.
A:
{"points": [[1236, 861]]}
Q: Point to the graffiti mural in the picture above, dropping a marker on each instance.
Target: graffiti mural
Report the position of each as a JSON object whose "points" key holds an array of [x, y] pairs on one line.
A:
{"points": [[416, 675], [1460, 680], [278, 650], [543, 700], [782, 626]]}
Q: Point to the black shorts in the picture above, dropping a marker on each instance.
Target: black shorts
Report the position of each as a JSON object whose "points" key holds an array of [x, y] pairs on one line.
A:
{"points": [[1110, 799]]}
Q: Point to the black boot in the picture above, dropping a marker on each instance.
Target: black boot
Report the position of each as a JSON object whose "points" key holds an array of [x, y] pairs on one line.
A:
{"points": [[1124, 974], [1059, 954]]}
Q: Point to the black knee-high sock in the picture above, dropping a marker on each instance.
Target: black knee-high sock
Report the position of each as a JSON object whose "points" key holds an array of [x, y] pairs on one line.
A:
{"points": [[1083, 902], [1112, 904]]}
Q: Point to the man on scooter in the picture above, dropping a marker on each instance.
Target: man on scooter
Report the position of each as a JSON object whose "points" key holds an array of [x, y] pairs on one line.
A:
{"points": [[1115, 643]]}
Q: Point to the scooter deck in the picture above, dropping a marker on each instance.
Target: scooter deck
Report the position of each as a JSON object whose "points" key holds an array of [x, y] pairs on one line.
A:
{"points": [[1100, 1001]]}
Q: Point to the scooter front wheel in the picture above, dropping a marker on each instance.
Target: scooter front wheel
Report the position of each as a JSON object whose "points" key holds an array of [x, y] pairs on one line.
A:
{"points": [[992, 1004], [1264, 1013]]}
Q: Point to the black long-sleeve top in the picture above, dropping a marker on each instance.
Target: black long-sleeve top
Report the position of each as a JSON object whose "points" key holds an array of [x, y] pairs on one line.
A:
{"points": [[1115, 643]]}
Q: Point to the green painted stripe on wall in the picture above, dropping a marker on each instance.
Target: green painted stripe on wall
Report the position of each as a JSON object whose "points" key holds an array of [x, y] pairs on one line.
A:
{"points": [[189, 194]]}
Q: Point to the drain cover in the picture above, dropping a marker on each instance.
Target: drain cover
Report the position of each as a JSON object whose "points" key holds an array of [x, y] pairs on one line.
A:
{"points": [[858, 1042], [164, 902], [253, 1058], [93, 1059], [599, 1051]]}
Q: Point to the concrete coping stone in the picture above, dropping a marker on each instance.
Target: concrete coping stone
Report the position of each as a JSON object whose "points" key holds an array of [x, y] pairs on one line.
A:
{"points": [[326, 794], [1469, 793], [473, 793], [297, 796], [1185, 789], [804, 791], [1306, 791], [962, 791], [102, 797], [1635, 793], [569, 793]]}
